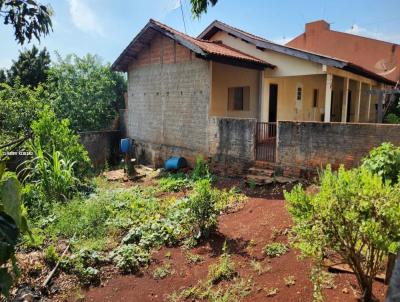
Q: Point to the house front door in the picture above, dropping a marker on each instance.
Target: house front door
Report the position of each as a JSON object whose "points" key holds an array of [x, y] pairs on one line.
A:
{"points": [[273, 103]]}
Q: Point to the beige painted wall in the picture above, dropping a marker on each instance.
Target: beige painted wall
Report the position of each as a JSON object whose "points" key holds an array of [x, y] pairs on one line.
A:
{"points": [[226, 76], [288, 107], [286, 65]]}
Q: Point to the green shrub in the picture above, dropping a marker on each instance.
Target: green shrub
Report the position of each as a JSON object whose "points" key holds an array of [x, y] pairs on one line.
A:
{"points": [[384, 161], [202, 207], [174, 183], [129, 258], [275, 249], [12, 223], [50, 255], [52, 134], [224, 269], [162, 271], [355, 214], [200, 170]]}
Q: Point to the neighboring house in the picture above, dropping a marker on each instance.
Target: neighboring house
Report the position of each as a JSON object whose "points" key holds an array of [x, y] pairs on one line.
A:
{"points": [[222, 93], [378, 56]]}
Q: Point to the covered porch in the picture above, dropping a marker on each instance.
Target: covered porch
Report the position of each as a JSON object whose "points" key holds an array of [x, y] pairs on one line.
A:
{"points": [[328, 95]]}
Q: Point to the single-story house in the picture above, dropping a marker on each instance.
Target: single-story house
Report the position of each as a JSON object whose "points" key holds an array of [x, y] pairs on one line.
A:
{"points": [[222, 93]]}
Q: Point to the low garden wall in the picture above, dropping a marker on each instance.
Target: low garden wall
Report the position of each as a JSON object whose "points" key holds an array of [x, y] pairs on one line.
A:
{"points": [[102, 146], [231, 142], [303, 147]]}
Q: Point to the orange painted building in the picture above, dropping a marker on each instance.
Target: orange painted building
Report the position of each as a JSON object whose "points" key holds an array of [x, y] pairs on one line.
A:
{"points": [[377, 56]]}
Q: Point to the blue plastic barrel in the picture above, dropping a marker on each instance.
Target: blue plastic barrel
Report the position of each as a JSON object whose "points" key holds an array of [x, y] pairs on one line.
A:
{"points": [[124, 145], [175, 163]]}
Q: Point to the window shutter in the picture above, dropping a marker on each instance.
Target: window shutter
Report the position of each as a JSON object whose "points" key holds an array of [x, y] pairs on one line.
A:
{"points": [[231, 100], [246, 98]]}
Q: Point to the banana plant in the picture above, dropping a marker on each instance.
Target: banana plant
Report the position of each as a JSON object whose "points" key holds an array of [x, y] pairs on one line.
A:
{"points": [[13, 222]]}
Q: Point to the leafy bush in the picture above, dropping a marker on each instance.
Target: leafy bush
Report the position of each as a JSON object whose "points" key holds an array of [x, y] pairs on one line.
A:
{"points": [[52, 134], [129, 258], [224, 269], [20, 105], [50, 255], [202, 207], [356, 214], [384, 161], [275, 249], [162, 271], [175, 182], [85, 91], [200, 170], [12, 223]]}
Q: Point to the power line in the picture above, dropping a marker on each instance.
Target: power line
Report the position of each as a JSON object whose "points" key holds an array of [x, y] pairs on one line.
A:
{"points": [[183, 16]]}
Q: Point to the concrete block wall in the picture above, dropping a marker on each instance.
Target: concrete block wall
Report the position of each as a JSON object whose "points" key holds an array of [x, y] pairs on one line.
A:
{"points": [[232, 142], [102, 146], [303, 147], [168, 99]]}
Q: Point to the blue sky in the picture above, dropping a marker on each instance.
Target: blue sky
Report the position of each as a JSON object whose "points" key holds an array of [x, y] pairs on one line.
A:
{"points": [[105, 27]]}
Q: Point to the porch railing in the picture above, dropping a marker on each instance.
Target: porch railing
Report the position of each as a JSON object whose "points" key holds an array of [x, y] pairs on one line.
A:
{"points": [[265, 142]]}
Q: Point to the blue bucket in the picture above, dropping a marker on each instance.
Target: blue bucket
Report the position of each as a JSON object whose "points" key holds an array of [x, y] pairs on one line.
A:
{"points": [[175, 163], [125, 145]]}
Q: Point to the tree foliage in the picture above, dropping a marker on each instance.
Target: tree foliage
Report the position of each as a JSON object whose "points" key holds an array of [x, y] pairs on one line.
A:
{"points": [[200, 6], [29, 18], [31, 67], [20, 105], [52, 134], [355, 214], [85, 91]]}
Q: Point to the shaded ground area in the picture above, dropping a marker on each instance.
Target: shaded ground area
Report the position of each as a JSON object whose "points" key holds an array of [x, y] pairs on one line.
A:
{"points": [[261, 221]]}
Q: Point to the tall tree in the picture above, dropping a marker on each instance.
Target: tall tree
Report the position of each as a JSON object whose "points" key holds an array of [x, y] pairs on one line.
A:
{"points": [[31, 67], [200, 6], [85, 91], [28, 17], [3, 77]]}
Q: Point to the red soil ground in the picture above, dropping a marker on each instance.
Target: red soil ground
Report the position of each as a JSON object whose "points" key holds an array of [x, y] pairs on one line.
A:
{"points": [[261, 220]]}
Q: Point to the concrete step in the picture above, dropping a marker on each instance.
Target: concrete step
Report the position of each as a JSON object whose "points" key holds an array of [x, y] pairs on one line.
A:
{"points": [[261, 172], [264, 165], [259, 179], [264, 179]]}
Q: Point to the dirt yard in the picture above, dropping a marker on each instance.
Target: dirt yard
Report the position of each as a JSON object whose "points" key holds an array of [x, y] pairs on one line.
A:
{"points": [[259, 222]]}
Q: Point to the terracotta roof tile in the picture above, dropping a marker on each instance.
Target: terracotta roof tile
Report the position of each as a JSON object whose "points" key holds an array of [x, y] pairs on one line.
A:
{"points": [[214, 47]]}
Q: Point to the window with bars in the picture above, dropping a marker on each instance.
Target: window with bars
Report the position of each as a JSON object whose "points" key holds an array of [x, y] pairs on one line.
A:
{"points": [[239, 98]]}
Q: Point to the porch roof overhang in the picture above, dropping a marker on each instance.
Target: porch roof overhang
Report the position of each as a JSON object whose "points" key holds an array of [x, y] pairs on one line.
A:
{"points": [[209, 50], [263, 44]]}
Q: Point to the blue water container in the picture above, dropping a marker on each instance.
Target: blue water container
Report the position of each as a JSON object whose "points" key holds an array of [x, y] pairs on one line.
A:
{"points": [[125, 145], [175, 163]]}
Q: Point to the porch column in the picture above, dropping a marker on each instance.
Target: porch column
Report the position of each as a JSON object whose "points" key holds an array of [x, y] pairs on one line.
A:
{"points": [[262, 108], [328, 98], [369, 103], [357, 116], [345, 99]]}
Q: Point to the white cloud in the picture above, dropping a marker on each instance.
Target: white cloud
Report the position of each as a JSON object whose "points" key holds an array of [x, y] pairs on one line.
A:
{"points": [[364, 32], [83, 17], [282, 40]]}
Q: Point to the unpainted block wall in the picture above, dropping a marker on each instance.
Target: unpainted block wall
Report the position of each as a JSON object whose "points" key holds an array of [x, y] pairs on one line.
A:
{"points": [[311, 145], [168, 99], [102, 146], [231, 142]]}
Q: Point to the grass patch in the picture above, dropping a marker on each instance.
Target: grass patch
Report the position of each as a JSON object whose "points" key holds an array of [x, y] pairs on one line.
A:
{"points": [[193, 258], [275, 249], [224, 269], [162, 271], [259, 268], [233, 292]]}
